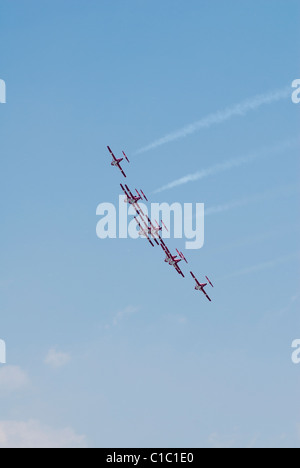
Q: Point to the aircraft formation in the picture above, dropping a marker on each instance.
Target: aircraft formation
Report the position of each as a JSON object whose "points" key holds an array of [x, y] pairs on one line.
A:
{"points": [[149, 231]]}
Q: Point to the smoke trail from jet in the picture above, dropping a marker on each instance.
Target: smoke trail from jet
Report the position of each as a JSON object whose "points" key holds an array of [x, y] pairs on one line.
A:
{"points": [[219, 117], [231, 164], [267, 195], [264, 265]]}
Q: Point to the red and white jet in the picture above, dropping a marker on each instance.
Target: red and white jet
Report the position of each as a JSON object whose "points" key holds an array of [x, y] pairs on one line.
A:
{"points": [[172, 260], [117, 162], [158, 229], [133, 199], [150, 230], [201, 286], [144, 231]]}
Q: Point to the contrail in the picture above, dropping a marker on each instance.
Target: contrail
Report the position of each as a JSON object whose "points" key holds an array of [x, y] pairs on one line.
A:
{"points": [[264, 265], [230, 164], [282, 191], [259, 238], [220, 116]]}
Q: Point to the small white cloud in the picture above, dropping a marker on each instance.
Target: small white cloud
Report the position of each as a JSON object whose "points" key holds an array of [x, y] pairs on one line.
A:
{"points": [[12, 378], [177, 319], [181, 319], [57, 359], [130, 310], [217, 441], [32, 434], [295, 298]]}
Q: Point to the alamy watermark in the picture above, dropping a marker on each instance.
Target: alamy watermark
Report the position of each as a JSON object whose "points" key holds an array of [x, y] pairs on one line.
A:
{"points": [[2, 342], [296, 353], [296, 93], [183, 221], [2, 352], [2, 92]]}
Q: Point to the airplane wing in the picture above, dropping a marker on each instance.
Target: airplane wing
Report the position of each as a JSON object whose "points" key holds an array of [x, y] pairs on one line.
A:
{"points": [[145, 231], [165, 248], [127, 195], [112, 153], [178, 269], [195, 278], [119, 166], [149, 240], [145, 224], [138, 223], [129, 191], [142, 219], [152, 230], [158, 233], [150, 223], [152, 227], [205, 293], [139, 210]]}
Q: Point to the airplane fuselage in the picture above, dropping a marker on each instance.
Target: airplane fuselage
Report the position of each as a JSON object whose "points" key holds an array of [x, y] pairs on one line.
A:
{"points": [[171, 261], [149, 232], [117, 162], [153, 232], [131, 201], [142, 233]]}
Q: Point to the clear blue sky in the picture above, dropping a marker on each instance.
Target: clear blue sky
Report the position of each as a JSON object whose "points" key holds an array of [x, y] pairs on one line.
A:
{"points": [[145, 360]]}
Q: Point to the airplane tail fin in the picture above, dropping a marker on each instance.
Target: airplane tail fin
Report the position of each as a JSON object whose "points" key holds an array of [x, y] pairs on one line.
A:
{"points": [[145, 198], [181, 256], [125, 157], [209, 281], [163, 224]]}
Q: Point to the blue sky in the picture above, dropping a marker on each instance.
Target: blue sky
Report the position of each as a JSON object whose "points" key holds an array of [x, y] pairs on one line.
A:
{"points": [[102, 338]]}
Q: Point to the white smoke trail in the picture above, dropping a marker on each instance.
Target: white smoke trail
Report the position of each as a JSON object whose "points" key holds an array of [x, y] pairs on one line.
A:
{"points": [[230, 164], [264, 265], [220, 116], [270, 194]]}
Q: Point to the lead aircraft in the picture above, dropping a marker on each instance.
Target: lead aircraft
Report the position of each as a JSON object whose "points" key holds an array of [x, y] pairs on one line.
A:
{"points": [[117, 162], [200, 286]]}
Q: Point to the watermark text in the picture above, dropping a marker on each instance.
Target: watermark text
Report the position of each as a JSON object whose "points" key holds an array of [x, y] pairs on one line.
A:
{"points": [[296, 353], [296, 93], [183, 221], [2, 92], [2, 352]]}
